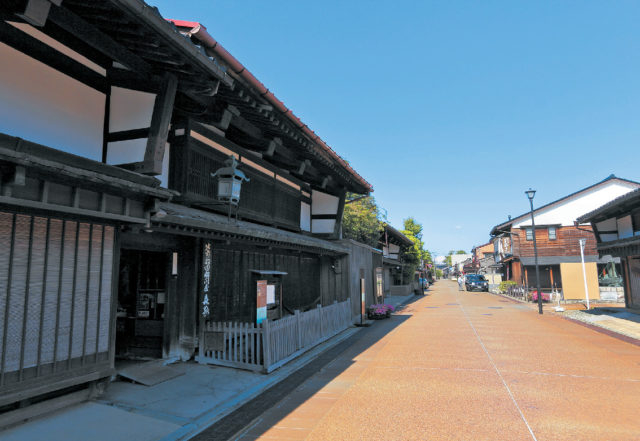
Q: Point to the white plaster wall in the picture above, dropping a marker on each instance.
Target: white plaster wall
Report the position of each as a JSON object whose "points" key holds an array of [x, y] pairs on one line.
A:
{"points": [[322, 225], [130, 109], [607, 225], [323, 203], [566, 212], [305, 216], [625, 228], [42, 105]]}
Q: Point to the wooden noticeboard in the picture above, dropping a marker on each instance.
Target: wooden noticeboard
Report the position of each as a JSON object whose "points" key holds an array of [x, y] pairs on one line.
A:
{"points": [[261, 301]]}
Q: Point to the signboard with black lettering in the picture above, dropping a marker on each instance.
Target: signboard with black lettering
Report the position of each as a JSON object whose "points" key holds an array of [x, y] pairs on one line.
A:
{"points": [[206, 277]]}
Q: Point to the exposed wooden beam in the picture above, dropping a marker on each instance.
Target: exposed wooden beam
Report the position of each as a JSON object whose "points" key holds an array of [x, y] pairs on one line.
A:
{"points": [[341, 203], [126, 135], [37, 11], [70, 22], [277, 148], [159, 130], [249, 128], [51, 57], [303, 165]]}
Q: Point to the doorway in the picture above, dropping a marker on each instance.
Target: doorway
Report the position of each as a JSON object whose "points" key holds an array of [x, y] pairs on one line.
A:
{"points": [[142, 296]]}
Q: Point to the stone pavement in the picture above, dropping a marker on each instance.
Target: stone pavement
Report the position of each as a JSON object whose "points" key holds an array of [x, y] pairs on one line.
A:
{"points": [[176, 409], [619, 320], [466, 366]]}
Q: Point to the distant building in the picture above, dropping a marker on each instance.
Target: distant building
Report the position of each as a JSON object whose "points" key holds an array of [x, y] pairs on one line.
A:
{"points": [[393, 242]]}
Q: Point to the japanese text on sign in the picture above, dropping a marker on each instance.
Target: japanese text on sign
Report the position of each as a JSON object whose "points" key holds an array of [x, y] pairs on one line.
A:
{"points": [[206, 278]]}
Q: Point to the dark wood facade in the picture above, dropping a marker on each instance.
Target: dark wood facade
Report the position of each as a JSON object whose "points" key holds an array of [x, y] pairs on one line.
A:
{"points": [[97, 265], [617, 227], [310, 280]]}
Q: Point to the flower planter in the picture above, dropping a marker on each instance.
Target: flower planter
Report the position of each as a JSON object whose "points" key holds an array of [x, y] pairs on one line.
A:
{"points": [[377, 312]]}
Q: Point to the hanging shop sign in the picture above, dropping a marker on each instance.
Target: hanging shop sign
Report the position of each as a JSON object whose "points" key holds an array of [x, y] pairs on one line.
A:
{"points": [[206, 278], [261, 301]]}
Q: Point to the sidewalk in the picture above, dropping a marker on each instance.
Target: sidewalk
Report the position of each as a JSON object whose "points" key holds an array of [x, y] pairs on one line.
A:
{"points": [[176, 409], [613, 318], [618, 320]]}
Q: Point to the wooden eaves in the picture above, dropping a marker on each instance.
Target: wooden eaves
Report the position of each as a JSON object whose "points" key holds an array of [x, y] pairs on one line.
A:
{"points": [[259, 119], [179, 219]]}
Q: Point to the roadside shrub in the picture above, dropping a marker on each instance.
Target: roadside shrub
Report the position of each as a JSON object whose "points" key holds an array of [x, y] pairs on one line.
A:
{"points": [[504, 286]]}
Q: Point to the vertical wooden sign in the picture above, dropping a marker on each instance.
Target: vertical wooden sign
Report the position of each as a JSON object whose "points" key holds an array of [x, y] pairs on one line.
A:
{"points": [[379, 287], [206, 278], [261, 301]]}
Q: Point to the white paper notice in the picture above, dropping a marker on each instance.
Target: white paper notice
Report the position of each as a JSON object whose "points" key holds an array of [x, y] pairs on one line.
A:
{"points": [[271, 294]]}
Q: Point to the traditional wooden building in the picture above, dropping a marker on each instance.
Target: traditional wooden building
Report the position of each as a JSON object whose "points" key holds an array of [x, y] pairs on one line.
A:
{"points": [[616, 226], [117, 243], [392, 243], [557, 237]]}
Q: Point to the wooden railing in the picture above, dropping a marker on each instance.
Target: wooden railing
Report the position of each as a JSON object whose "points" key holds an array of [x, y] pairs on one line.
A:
{"points": [[270, 345], [518, 292]]}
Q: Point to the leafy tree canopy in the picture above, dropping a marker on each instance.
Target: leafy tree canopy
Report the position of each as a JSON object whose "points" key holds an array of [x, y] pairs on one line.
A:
{"points": [[361, 220], [413, 256]]}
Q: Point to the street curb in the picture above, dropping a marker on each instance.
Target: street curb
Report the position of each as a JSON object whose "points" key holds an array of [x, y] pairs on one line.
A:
{"points": [[609, 332]]}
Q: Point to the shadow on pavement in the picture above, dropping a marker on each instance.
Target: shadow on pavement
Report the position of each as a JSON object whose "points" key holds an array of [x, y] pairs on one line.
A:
{"points": [[329, 364]]}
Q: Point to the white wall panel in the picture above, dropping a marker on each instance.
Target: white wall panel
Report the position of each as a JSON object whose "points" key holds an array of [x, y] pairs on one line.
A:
{"points": [[42, 105], [323, 203], [305, 216], [625, 229], [130, 109], [607, 225], [566, 212], [322, 225]]}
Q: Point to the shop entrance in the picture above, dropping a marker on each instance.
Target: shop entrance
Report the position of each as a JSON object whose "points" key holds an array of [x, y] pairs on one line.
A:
{"points": [[142, 296]]}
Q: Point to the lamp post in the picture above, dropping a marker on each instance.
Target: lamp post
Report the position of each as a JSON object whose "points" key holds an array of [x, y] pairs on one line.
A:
{"points": [[530, 194]]}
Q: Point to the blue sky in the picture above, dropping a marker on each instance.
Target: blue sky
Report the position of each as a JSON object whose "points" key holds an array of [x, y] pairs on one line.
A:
{"points": [[451, 109]]}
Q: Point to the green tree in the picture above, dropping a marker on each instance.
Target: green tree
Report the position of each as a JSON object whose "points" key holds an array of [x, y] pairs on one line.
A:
{"points": [[414, 255], [361, 220], [461, 252]]}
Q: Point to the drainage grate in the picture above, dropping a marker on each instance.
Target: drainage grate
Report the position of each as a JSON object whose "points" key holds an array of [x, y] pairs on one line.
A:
{"points": [[453, 304], [495, 307], [487, 314], [431, 307]]}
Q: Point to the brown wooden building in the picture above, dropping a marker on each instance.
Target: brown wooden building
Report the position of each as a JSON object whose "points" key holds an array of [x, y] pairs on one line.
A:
{"points": [[617, 230], [558, 241], [116, 243]]}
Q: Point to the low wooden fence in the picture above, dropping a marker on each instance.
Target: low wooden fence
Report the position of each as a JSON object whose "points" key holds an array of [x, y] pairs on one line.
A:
{"points": [[271, 344], [518, 292]]}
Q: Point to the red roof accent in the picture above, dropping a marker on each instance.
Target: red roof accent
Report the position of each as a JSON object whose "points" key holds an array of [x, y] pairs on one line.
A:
{"points": [[199, 31]]}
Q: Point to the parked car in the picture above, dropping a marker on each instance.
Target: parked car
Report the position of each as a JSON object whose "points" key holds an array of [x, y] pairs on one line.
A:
{"points": [[476, 282]]}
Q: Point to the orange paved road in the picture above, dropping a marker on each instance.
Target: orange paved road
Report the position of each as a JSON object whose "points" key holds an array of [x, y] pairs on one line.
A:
{"points": [[467, 366]]}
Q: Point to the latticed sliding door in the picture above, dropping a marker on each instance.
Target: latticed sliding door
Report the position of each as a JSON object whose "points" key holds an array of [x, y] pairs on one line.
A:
{"points": [[55, 298]]}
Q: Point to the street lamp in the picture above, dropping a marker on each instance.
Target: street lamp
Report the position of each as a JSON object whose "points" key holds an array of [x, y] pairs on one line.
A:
{"points": [[530, 194]]}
